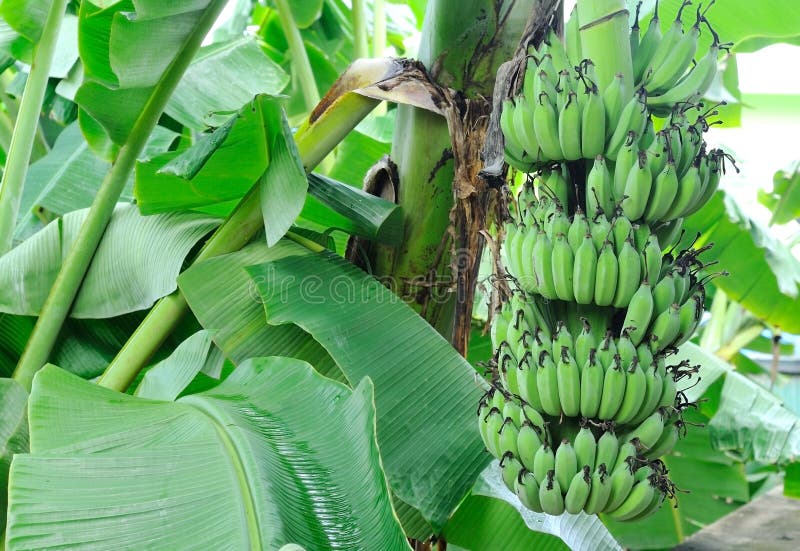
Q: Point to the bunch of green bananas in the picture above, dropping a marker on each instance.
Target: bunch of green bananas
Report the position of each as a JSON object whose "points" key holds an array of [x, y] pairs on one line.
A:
{"points": [[584, 398], [591, 470], [663, 62], [598, 374]]}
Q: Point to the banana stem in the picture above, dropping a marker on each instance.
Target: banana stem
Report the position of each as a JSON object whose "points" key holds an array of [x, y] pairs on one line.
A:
{"points": [[361, 49], [314, 141], [26, 126], [77, 261], [301, 66], [605, 39]]}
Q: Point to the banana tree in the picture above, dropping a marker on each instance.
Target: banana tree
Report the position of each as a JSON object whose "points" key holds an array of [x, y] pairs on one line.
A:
{"points": [[201, 330]]}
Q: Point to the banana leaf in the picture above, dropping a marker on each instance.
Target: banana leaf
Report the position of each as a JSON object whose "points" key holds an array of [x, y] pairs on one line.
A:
{"points": [[137, 262], [276, 454], [222, 297], [764, 276], [425, 393]]}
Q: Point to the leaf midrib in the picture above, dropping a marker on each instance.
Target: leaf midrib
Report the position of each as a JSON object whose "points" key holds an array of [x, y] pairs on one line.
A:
{"points": [[247, 498]]}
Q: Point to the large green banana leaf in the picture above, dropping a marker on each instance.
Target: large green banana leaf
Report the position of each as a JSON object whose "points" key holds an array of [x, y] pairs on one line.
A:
{"points": [[199, 101], [747, 420], [764, 276], [425, 393], [136, 263], [275, 454], [225, 302]]}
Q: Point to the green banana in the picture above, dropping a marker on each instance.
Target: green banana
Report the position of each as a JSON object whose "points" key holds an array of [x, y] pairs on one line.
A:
{"points": [[639, 313], [621, 483], [566, 463], [562, 338], [557, 51], [508, 438], [607, 351], [626, 159], [569, 381], [606, 276], [593, 125], [527, 490], [578, 491], [613, 390], [584, 343], [592, 379], [629, 276], [635, 390], [510, 469], [648, 431], [523, 127], [638, 499], [601, 229], [664, 76], [668, 43], [547, 382], [513, 141], [543, 266], [690, 315], [615, 98], [621, 229], [669, 391], [545, 123], [666, 442], [637, 188], [528, 385], [665, 328], [625, 348], [585, 447], [665, 188], [526, 276], [632, 119], [664, 293], [544, 461], [652, 394], [569, 128], [599, 193], [584, 278], [644, 355], [690, 189], [563, 268], [577, 229], [528, 443], [550, 495], [607, 449], [599, 492], [647, 46]]}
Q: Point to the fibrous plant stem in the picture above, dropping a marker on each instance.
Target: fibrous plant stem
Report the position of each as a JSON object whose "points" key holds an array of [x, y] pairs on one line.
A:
{"points": [[605, 39], [27, 125], [297, 49]]}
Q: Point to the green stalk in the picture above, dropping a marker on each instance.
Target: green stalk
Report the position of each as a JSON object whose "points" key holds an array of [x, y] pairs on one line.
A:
{"points": [[360, 47], [314, 142], [456, 50], [605, 39], [297, 49], [19, 152], [74, 267]]}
